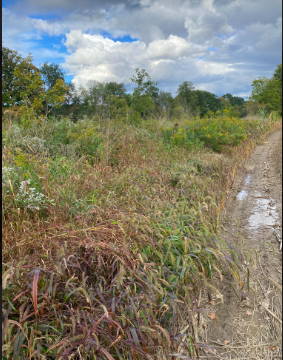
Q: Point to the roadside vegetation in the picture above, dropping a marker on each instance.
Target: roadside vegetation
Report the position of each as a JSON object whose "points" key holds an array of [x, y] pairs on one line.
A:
{"points": [[110, 214]]}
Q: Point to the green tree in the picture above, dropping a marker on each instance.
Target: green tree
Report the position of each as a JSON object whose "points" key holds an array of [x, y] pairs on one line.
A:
{"points": [[207, 101], [51, 73], [32, 88], [28, 78], [278, 73], [92, 98], [10, 91], [268, 93], [144, 93], [234, 100], [187, 97], [115, 89], [165, 101], [225, 103], [237, 108]]}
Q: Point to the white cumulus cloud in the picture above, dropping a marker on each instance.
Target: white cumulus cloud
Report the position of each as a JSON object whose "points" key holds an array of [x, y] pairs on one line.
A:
{"points": [[220, 45]]}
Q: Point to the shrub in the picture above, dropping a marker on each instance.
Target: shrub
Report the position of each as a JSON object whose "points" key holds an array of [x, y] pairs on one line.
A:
{"points": [[216, 133]]}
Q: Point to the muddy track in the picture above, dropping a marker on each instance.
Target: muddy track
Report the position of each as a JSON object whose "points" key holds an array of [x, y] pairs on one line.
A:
{"points": [[249, 327]]}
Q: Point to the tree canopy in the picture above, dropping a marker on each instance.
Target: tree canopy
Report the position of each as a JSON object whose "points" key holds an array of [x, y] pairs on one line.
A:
{"points": [[10, 90], [268, 92], [45, 89]]}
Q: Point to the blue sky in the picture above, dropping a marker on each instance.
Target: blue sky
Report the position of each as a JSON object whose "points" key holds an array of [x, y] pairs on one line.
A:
{"points": [[219, 45]]}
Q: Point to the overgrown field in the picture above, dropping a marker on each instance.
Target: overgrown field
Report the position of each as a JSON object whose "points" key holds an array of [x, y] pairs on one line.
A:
{"points": [[110, 230]]}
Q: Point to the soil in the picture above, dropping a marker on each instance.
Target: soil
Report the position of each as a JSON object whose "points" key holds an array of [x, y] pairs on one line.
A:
{"points": [[248, 322]]}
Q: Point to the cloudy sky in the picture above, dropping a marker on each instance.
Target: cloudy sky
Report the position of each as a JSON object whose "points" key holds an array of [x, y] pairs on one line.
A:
{"points": [[220, 45]]}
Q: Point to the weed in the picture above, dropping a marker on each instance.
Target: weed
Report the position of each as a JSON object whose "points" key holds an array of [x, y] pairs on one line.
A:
{"points": [[109, 233]]}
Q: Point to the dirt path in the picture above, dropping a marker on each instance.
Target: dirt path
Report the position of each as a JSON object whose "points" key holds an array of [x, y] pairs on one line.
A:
{"points": [[250, 328]]}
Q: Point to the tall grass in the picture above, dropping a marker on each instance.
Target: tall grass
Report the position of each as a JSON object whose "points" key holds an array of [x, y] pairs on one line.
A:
{"points": [[109, 233]]}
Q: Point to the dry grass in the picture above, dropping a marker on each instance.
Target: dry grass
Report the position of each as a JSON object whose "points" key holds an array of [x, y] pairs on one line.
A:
{"points": [[105, 270]]}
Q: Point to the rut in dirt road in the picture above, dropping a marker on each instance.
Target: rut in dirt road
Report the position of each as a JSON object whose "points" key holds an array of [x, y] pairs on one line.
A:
{"points": [[250, 328]]}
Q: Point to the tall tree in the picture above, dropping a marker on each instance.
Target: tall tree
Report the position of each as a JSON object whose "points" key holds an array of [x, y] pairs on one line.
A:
{"points": [[32, 88], [116, 89], [238, 107], [144, 93], [278, 73], [51, 73], [92, 98], [10, 91], [165, 101], [234, 100], [268, 93], [207, 101], [187, 97]]}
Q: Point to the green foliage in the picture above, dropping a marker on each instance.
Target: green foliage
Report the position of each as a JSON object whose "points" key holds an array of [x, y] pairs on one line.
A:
{"points": [[51, 73], [207, 101], [29, 78], [215, 133], [32, 89], [106, 100], [10, 92], [237, 108], [56, 94], [268, 92], [187, 97], [278, 73], [110, 100], [82, 136], [165, 101], [142, 100], [234, 100], [114, 89], [145, 86], [54, 85]]}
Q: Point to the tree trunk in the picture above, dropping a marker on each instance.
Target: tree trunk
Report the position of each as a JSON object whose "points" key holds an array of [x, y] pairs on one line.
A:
{"points": [[46, 108]]}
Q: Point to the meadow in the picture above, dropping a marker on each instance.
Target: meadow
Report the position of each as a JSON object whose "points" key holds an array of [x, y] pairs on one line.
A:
{"points": [[110, 230]]}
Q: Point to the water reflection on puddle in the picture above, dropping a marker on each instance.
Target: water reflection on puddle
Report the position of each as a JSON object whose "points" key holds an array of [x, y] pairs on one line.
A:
{"points": [[264, 214], [248, 179], [242, 195]]}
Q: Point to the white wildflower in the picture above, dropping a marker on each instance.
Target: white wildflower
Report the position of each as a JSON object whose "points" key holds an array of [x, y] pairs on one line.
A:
{"points": [[31, 198]]}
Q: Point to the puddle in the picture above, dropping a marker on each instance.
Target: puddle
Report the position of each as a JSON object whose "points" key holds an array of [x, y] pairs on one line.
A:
{"points": [[248, 179], [242, 195], [264, 214]]}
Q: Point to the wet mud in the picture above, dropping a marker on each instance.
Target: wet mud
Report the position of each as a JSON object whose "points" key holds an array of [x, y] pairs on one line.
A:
{"points": [[249, 320]]}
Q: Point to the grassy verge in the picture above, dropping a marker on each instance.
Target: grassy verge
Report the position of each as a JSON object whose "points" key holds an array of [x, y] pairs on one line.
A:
{"points": [[110, 230]]}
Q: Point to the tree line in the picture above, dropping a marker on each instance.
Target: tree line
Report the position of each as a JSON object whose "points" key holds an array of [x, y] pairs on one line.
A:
{"points": [[43, 91]]}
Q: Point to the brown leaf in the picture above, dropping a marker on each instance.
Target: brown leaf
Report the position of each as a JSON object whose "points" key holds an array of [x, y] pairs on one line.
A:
{"points": [[212, 302], [249, 312], [204, 325], [272, 348], [226, 342], [212, 316]]}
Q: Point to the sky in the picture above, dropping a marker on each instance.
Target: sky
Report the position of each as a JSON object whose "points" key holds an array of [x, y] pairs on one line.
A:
{"points": [[219, 45]]}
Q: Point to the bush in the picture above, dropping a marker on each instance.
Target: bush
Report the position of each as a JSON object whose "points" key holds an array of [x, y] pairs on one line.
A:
{"points": [[215, 133]]}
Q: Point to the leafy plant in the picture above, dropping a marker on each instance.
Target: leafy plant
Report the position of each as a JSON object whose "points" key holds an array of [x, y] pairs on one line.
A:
{"points": [[215, 133]]}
